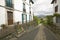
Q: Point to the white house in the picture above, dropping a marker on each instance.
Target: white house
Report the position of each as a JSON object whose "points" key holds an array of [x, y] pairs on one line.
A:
{"points": [[56, 6], [12, 11]]}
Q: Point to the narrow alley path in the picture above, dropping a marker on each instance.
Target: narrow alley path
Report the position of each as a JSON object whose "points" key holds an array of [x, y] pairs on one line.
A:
{"points": [[40, 33]]}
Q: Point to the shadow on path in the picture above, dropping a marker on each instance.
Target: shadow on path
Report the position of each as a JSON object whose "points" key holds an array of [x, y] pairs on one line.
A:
{"points": [[49, 35], [29, 35]]}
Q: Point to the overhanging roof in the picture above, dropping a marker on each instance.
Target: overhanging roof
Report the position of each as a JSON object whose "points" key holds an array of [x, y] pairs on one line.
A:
{"points": [[52, 1], [32, 1]]}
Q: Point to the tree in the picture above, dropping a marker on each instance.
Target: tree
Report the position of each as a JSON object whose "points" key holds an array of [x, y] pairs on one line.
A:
{"points": [[36, 20], [49, 19]]}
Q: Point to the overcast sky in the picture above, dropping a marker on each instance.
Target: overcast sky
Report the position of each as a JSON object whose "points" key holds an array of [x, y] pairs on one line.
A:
{"points": [[42, 5]]}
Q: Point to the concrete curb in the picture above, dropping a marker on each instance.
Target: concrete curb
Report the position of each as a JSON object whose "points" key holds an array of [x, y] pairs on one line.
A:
{"points": [[53, 34], [57, 36], [32, 29], [15, 38], [19, 35]]}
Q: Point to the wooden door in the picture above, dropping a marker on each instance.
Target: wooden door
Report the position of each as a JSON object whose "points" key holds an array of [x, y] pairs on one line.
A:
{"points": [[10, 17]]}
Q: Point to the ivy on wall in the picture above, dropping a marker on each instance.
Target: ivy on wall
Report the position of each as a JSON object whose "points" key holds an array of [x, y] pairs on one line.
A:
{"points": [[57, 14]]}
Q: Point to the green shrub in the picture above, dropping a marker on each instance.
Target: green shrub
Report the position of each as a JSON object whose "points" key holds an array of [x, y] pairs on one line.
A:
{"points": [[36, 20], [57, 14], [49, 19]]}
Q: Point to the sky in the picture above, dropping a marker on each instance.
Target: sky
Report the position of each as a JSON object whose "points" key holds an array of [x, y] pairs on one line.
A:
{"points": [[42, 7]]}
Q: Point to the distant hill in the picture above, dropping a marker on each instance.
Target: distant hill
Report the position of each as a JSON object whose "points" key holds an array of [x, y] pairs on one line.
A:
{"points": [[43, 13], [40, 16]]}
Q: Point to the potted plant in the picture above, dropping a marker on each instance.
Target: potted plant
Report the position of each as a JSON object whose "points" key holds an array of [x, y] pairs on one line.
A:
{"points": [[3, 26]]}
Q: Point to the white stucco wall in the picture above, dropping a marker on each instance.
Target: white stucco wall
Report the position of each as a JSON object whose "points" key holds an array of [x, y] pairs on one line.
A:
{"points": [[2, 16], [27, 1], [2, 12], [28, 17], [54, 20], [55, 4], [2, 2], [17, 14], [31, 12], [32, 16], [18, 5], [58, 1], [27, 8]]}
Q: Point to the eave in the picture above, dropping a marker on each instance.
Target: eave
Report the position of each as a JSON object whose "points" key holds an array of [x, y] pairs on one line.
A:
{"points": [[52, 1], [31, 1]]}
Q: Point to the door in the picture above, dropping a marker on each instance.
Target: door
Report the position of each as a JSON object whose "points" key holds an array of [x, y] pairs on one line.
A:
{"points": [[10, 17]]}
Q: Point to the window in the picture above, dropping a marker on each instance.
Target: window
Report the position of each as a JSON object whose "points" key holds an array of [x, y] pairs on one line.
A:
{"points": [[24, 10], [30, 12], [9, 3], [56, 9], [24, 18], [23, 5], [29, 17]]}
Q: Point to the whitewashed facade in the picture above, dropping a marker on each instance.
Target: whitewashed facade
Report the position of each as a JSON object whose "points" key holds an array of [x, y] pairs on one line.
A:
{"points": [[56, 6], [57, 3], [2, 12], [17, 11]]}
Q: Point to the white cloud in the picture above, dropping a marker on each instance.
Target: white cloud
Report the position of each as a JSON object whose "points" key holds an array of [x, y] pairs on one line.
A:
{"points": [[43, 5], [42, 1]]}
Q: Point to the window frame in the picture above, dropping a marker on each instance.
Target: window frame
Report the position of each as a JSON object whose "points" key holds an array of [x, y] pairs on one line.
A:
{"points": [[9, 3]]}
